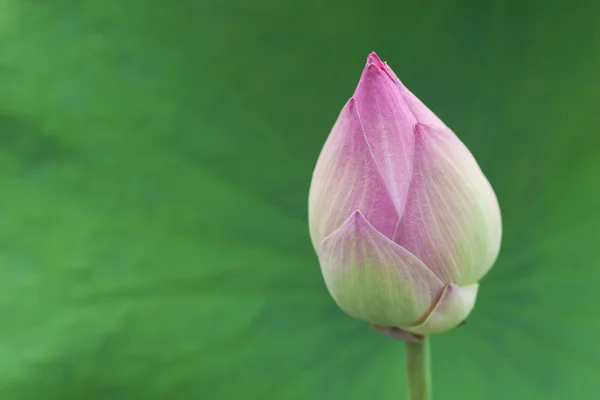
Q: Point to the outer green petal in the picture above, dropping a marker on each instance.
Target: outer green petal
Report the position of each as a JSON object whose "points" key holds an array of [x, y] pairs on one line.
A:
{"points": [[374, 279], [454, 306]]}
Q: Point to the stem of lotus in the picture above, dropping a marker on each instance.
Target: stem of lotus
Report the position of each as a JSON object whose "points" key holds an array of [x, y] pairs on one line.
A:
{"points": [[418, 373]]}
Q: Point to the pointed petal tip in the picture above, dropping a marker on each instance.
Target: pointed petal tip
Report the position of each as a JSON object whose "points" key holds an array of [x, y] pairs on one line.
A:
{"points": [[374, 64], [357, 216], [373, 58], [421, 128], [358, 220]]}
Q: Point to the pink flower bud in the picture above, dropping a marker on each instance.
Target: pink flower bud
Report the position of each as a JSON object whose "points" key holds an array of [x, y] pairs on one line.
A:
{"points": [[403, 221]]}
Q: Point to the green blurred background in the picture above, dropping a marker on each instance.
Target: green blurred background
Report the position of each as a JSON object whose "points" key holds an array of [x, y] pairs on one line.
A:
{"points": [[155, 160]]}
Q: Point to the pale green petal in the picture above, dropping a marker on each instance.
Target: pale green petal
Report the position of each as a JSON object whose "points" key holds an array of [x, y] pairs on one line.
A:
{"points": [[453, 307], [374, 279]]}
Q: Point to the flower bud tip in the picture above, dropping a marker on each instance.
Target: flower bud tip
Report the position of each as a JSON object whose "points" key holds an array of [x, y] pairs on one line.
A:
{"points": [[374, 59]]}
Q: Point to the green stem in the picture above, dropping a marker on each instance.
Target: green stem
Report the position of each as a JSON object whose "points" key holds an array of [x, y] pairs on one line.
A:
{"points": [[418, 374]]}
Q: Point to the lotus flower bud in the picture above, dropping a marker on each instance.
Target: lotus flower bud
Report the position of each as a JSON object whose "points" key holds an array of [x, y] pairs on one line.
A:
{"points": [[402, 218]]}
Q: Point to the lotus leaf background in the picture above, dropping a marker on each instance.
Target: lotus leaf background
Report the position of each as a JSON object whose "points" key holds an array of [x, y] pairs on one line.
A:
{"points": [[155, 160]]}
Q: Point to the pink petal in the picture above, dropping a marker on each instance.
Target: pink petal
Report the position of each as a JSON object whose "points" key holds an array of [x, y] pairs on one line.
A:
{"points": [[347, 178], [388, 125], [451, 220], [374, 279]]}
